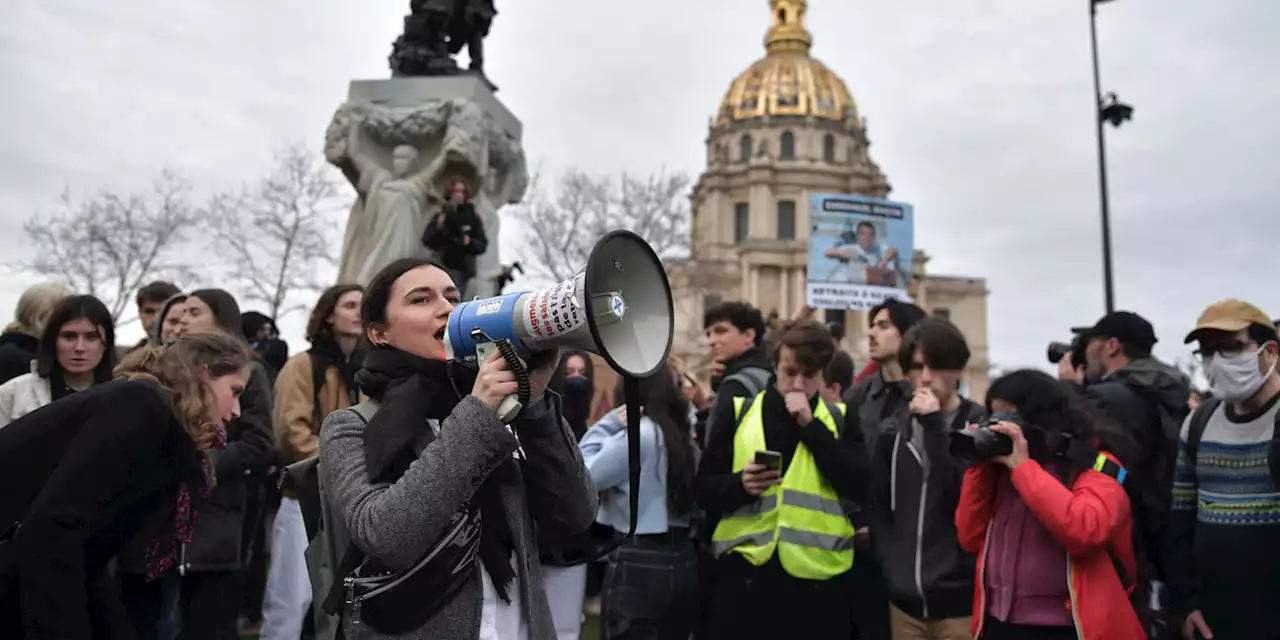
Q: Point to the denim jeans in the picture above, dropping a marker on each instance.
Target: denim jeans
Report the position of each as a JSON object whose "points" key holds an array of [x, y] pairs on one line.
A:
{"points": [[650, 587]]}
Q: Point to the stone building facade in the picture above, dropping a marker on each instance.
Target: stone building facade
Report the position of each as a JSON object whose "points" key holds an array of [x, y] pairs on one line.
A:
{"points": [[787, 128]]}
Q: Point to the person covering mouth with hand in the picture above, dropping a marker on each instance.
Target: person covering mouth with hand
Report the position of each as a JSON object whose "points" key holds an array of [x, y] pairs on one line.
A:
{"points": [[775, 480]]}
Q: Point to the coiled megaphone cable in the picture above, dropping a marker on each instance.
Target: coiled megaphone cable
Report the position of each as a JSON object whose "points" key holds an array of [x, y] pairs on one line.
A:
{"points": [[524, 388]]}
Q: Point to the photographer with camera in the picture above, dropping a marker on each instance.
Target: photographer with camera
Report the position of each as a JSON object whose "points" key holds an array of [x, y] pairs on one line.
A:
{"points": [[1147, 398], [456, 234], [915, 488], [1044, 507]]}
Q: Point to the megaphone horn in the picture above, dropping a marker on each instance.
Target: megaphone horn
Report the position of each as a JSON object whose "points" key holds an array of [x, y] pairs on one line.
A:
{"points": [[618, 307]]}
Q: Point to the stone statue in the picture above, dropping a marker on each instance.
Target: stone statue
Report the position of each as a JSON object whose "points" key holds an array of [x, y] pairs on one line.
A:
{"points": [[435, 31], [395, 206], [399, 160]]}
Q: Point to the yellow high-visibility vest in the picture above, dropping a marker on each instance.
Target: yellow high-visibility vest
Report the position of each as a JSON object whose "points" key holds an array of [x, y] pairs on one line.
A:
{"points": [[801, 518]]}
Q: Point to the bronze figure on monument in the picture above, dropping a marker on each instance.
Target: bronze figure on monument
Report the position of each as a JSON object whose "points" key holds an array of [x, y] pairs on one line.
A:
{"points": [[437, 30]]}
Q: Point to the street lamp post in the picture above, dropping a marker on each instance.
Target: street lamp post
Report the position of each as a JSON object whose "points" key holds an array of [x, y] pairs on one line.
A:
{"points": [[1115, 112]]}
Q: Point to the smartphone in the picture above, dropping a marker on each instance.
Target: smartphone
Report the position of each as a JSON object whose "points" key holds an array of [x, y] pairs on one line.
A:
{"points": [[772, 460]]}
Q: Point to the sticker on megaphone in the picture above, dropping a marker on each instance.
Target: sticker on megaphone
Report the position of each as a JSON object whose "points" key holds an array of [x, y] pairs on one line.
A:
{"points": [[557, 311]]}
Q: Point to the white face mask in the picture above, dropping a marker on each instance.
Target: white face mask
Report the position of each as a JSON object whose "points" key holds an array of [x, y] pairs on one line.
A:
{"points": [[1237, 378]]}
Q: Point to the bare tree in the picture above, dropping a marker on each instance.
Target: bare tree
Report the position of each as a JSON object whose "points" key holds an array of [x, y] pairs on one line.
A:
{"points": [[1192, 367], [110, 245], [272, 234], [562, 229]]}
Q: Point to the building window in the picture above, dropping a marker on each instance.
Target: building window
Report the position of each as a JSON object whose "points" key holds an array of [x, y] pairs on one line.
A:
{"points": [[741, 222], [829, 148], [744, 149], [788, 146], [943, 313], [786, 220]]}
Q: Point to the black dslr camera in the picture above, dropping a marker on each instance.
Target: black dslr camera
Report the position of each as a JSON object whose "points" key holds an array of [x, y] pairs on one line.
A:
{"points": [[1059, 350], [971, 446]]}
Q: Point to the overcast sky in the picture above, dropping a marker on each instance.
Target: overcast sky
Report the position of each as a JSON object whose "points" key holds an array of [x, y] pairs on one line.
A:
{"points": [[980, 113]]}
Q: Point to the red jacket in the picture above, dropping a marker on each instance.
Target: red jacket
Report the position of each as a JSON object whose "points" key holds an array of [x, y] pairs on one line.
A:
{"points": [[1095, 511]]}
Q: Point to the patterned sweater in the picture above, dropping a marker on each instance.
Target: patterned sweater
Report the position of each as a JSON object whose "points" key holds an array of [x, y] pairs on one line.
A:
{"points": [[1225, 525]]}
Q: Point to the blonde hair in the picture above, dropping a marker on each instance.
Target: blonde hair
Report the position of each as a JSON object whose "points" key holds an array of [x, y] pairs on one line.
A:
{"points": [[34, 307], [181, 369]]}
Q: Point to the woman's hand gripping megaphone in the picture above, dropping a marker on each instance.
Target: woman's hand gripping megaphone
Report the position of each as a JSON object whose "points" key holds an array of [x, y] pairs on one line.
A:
{"points": [[495, 379]]}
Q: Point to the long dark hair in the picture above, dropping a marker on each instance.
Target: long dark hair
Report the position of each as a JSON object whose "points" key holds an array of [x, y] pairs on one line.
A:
{"points": [[75, 308], [1051, 405], [373, 307], [318, 325], [576, 411], [226, 311], [662, 402]]}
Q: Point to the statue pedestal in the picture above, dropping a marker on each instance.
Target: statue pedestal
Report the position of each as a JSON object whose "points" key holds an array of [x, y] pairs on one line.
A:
{"points": [[401, 143]]}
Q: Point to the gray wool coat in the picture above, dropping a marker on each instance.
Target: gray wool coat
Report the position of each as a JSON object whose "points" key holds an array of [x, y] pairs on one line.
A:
{"points": [[396, 524]]}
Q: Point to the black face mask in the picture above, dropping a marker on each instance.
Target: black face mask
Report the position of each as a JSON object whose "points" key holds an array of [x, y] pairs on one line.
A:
{"points": [[577, 386]]}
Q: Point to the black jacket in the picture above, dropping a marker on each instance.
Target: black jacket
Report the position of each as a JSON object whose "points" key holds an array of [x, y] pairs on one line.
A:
{"points": [[1149, 400], [84, 475], [216, 544], [912, 516], [447, 239], [17, 350], [219, 525], [841, 461], [875, 401]]}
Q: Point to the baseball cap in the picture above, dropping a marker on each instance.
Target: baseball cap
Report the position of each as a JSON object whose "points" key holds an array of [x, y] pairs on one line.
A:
{"points": [[1230, 316], [1129, 328]]}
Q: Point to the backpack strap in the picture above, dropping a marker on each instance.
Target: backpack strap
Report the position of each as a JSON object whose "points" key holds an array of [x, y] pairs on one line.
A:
{"points": [[740, 407], [961, 420], [1273, 456], [353, 557], [366, 410], [836, 409], [753, 378], [1199, 420]]}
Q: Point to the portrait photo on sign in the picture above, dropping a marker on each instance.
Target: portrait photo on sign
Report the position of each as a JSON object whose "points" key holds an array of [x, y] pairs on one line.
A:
{"points": [[861, 251]]}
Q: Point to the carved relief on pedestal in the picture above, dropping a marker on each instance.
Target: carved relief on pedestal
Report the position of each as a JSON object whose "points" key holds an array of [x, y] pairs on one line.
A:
{"points": [[399, 159]]}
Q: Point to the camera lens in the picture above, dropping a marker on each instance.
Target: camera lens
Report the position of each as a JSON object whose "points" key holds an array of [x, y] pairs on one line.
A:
{"points": [[1057, 351], [971, 446]]}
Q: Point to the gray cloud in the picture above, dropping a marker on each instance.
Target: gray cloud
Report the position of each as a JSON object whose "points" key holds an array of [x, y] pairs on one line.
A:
{"points": [[980, 113]]}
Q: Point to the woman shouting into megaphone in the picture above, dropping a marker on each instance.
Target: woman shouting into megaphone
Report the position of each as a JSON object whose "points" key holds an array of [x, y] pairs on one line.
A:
{"points": [[440, 498]]}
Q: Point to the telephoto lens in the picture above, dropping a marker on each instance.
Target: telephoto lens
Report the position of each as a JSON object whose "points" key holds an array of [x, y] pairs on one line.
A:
{"points": [[1058, 351], [971, 446]]}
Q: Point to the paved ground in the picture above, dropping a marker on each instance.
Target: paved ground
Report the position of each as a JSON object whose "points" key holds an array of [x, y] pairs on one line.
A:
{"points": [[590, 630]]}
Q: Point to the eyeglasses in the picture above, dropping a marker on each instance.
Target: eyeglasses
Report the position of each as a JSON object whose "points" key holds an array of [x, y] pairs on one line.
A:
{"points": [[1228, 349]]}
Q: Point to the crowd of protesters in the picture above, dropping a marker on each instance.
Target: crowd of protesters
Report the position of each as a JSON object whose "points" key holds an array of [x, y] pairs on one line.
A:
{"points": [[787, 493]]}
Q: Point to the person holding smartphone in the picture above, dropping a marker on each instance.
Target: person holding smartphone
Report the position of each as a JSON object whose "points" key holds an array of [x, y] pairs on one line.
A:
{"points": [[774, 486]]}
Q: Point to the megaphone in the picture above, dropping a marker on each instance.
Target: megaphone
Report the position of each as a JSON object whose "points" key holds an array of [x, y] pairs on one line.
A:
{"points": [[618, 307]]}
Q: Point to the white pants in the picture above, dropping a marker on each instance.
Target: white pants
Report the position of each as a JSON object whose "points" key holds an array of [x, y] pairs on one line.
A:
{"points": [[288, 598], [566, 587]]}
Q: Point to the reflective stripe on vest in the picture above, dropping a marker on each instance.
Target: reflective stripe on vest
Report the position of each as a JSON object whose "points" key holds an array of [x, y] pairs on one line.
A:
{"points": [[801, 519]]}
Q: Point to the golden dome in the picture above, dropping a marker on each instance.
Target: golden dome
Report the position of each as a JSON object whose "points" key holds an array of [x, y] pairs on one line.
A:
{"points": [[787, 81]]}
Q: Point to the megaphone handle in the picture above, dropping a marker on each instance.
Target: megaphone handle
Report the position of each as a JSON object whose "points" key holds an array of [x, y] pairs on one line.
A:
{"points": [[509, 408], [512, 405]]}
